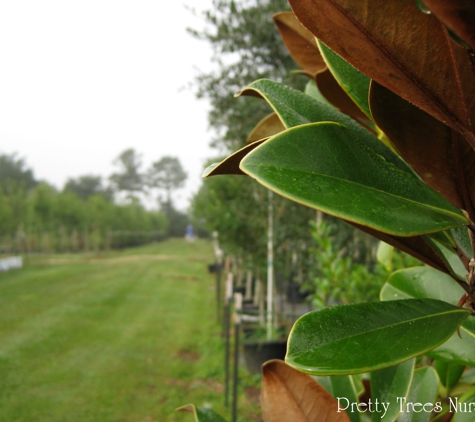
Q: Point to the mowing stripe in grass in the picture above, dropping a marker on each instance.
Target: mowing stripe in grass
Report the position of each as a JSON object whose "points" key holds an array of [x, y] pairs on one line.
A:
{"points": [[91, 341]]}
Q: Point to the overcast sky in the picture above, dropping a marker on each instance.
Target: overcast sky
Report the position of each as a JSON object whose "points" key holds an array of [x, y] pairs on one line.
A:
{"points": [[81, 81]]}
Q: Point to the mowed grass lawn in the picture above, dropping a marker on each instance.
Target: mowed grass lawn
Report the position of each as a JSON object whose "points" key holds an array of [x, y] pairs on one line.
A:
{"points": [[126, 336]]}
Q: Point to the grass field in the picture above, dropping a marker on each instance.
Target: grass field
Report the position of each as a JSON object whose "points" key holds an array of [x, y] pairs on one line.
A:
{"points": [[125, 336]]}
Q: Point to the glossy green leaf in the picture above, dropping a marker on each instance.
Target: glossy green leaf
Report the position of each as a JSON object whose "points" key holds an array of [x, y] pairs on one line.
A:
{"points": [[296, 108], [355, 83], [344, 387], [364, 337], [421, 399], [422, 282], [449, 373], [388, 387], [327, 167], [338, 97], [202, 414]]}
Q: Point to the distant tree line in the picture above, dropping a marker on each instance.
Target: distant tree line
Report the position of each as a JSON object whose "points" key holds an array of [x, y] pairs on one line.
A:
{"points": [[86, 214]]}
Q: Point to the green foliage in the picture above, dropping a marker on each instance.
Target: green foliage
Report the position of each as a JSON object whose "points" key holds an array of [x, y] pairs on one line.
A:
{"points": [[86, 186], [361, 337], [45, 219], [35, 216]]}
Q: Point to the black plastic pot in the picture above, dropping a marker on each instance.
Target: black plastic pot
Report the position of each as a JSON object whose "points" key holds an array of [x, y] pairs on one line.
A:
{"points": [[293, 294], [214, 268], [258, 352]]}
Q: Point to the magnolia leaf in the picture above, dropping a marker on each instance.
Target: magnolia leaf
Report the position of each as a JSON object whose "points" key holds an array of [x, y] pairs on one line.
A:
{"points": [[290, 395], [458, 15], [422, 395], [421, 282], [352, 81], [449, 373], [404, 50], [300, 42], [202, 414], [388, 387], [363, 337], [325, 166], [334, 93], [267, 127], [230, 165], [435, 151], [295, 108]]}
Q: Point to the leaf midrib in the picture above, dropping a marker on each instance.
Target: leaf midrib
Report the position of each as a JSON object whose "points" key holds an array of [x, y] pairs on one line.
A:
{"points": [[448, 212]]}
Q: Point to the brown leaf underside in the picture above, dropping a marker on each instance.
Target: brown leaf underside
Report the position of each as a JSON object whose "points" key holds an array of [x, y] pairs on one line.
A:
{"points": [[230, 165], [300, 42], [458, 15], [290, 395], [401, 48], [440, 155]]}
